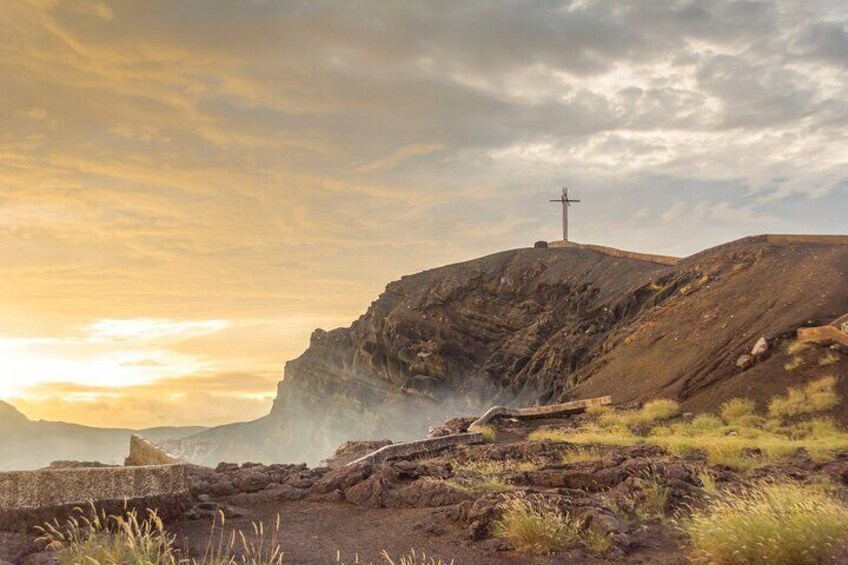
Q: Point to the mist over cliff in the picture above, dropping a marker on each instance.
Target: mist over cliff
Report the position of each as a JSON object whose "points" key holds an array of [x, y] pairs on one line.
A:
{"points": [[538, 325]]}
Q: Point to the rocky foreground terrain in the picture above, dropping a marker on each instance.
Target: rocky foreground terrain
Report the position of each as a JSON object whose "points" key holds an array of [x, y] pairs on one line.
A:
{"points": [[623, 485], [540, 325]]}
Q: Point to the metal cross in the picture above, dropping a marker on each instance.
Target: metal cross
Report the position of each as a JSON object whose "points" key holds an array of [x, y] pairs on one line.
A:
{"points": [[566, 202]]}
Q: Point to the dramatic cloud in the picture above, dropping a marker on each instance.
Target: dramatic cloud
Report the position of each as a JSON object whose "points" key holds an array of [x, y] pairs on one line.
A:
{"points": [[265, 167]]}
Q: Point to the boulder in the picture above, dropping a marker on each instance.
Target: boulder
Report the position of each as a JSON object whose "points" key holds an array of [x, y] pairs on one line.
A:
{"points": [[760, 347], [744, 361]]}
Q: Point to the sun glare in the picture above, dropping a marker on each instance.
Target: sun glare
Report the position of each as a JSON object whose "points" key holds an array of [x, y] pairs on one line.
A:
{"points": [[108, 354]]}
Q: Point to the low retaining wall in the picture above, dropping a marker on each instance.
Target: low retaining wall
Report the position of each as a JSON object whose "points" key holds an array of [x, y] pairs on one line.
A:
{"points": [[426, 446], [419, 447], [826, 334], [31, 498], [613, 252], [143, 452], [547, 411]]}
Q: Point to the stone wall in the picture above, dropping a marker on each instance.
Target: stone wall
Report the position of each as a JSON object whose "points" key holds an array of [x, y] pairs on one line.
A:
{"points": [[30, 498], [613, 252], [143, 452]]}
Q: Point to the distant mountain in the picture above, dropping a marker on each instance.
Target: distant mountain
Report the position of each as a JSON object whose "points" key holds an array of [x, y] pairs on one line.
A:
{"points": [[27, 444], [541, 325]]}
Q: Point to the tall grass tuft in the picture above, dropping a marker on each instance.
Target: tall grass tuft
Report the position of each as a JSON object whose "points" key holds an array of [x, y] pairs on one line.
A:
{"points": [[769, 524], [817, 396], [532, 527], [94, 538]]}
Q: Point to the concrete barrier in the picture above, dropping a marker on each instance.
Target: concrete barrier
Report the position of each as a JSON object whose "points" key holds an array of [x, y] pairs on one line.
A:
{"points": [[29, 498], [144, 452], [621, 253], [419, 447], [433, 445], [547, 411]]}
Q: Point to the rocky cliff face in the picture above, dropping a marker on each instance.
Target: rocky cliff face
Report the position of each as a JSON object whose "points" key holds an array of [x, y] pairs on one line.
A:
{"points": [[537, 325]]}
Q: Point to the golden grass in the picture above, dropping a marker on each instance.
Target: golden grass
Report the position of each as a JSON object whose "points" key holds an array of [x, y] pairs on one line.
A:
{"points": [[769, 523], [737, 408], [817, 396], [532, 527], [793, 363], [797, 347], [99, 539], [828, 359], [413, 558], [96, 539], [580, 455], [490, 435]]}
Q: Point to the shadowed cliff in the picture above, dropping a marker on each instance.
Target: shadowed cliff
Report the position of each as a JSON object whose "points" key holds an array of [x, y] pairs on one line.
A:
{"points": [[536, 325]]}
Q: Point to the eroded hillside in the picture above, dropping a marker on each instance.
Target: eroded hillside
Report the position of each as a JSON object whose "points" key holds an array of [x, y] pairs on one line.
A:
{"points": [[534, 325]]}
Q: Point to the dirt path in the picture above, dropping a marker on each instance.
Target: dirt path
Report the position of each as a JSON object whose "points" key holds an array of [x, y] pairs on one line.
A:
{"points": [[313, 533]]}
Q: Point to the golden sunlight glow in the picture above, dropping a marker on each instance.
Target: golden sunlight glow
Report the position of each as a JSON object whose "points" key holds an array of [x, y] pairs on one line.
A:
{"points": [[110, 353]]}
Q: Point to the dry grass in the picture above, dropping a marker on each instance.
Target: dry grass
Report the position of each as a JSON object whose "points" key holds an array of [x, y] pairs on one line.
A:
{"points": [[797, 347], [532, 527], [737, 408], [96, 539], [740, 440], [490, 435], [414, 558], [793, 363], [817, 396], [581, 455], [770, 524], [828, 359]]}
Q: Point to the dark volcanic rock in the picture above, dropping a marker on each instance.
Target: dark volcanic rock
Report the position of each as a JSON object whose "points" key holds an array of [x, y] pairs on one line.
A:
{"points": [[541, 325]]}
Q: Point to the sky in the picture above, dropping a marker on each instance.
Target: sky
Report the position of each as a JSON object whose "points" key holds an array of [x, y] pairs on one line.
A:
{"points": [[189, 188]]}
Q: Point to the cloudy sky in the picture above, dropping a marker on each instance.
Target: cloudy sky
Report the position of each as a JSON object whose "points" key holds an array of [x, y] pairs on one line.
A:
{"points": [[188, 188]]}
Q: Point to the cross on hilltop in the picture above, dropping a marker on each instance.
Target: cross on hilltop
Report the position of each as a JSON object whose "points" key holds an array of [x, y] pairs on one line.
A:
{"points": [[566, 202]]}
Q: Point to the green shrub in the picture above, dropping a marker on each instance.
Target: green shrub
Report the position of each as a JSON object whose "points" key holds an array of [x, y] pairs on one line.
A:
{"points": [[817, 396], [736, 408], [661, 409], [489, 433], [532, 527], [770, 524], [706, 423]]}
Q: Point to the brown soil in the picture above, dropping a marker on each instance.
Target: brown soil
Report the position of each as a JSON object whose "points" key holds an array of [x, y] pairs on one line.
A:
{"points": [[313, 533]]}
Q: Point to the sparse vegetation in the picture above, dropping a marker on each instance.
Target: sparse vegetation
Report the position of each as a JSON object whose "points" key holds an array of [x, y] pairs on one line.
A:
{"points": [[737, 408], [817, 396], [828, 359], [99, 539], [793, 363], [797, 347], [597, 541], [580, 455], [414, 558], [532, 527], [96, 539], [490, 435], [740, 440], [770, 523]]}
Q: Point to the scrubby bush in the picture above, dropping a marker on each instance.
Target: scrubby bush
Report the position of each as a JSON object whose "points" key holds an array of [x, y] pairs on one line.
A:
{"points": [[817, 396], [532, 527], [661, 409], [770, 524], [736, 408], [706, 423], [489, 433], [96, 539]]}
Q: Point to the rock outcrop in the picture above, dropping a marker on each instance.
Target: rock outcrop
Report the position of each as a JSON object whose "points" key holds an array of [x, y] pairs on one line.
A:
{"points": [[539, 326]]}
